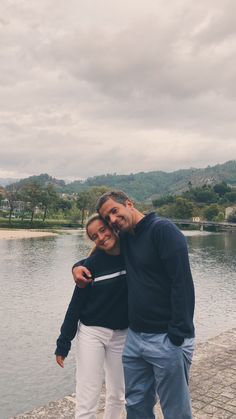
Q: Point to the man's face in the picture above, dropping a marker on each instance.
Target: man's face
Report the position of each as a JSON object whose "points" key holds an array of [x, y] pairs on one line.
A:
{"points": [[119, 216]]}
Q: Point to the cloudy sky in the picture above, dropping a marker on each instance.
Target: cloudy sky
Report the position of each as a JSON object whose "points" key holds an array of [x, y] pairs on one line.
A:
{"points": [[98, 86]]}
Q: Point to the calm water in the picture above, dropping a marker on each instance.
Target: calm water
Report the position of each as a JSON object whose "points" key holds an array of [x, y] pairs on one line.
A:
{"points": [[36, 285]]}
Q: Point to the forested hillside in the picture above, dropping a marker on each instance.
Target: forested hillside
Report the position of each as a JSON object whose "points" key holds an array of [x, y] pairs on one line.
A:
{"points": [[145, 186], [150, 185]]}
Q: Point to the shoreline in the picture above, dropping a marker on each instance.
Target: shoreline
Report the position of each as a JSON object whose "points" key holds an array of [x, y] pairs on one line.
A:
{"points": [[212, 385], [15, 234], [6, 234]]}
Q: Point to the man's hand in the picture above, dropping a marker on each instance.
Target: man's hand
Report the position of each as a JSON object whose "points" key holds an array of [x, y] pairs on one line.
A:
{"points": [[82, 276], [60, 360]]}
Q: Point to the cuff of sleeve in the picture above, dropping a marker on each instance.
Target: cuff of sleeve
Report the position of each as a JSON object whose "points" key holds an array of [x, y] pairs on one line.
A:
{"points": [[80, 263], [61, 352], [176, 340]]}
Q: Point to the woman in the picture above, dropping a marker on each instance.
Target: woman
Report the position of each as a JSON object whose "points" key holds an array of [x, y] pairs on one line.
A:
{"points": [[102, 310]]}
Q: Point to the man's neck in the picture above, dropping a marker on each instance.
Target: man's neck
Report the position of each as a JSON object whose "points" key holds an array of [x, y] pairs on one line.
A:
{"points": [[137, 217]]}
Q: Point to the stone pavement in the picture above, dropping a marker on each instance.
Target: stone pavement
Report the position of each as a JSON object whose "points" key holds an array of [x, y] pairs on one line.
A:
{"points": [[212, 383]]}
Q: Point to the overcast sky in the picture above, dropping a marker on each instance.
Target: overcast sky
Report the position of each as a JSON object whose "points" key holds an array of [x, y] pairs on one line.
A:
{"points": [[89, 87]]}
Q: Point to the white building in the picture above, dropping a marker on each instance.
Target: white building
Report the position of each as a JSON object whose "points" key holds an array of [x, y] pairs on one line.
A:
{"points": [[229, 211]]}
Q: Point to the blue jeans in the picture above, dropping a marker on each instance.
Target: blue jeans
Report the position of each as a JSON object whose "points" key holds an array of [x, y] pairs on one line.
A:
{"points": [[153, 367]]}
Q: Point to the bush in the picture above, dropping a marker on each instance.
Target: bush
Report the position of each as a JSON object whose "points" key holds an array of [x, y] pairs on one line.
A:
{"points": [[211, 212], [232, 217]]}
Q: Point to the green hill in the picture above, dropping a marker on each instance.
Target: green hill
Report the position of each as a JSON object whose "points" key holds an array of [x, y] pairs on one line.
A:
{"points": [[146, 185], [43, 180]]}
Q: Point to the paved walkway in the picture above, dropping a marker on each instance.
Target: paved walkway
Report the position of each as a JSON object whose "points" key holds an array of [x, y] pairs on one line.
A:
{"points": [[212, 382]]}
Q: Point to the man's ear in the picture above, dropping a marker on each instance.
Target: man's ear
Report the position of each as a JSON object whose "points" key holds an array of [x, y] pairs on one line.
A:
{"points": [[129, 203]]}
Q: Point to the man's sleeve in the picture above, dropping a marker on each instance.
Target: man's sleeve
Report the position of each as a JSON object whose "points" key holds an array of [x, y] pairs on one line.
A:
{"points": [[182, 296], [79, 263], [172, 248], [70, 324]]}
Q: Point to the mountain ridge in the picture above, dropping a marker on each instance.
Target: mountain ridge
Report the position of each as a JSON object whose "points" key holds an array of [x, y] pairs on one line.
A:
{"points": [[144, 186]]}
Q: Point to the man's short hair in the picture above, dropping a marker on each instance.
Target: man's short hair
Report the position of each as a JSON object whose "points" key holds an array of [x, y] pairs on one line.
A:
{"points": [[117, 196]]}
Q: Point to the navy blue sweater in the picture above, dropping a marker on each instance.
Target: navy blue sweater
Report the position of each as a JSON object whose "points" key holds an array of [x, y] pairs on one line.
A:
{"points": [[160, 285], [102, 303]]}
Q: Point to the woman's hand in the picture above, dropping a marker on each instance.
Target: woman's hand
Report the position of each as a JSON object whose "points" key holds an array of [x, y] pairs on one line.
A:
{"points": [[82, 276], [60, 360]]}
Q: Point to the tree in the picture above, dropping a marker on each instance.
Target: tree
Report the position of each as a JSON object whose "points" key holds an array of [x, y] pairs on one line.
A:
{"points": [[2, 193], [163, 200], [12, 195], [201, 194], [221, 188], [95, 193], [220, 217], [166, 211], [83, 203], [74, 213], [182, 208], [49, 199], [211, 212], [230, 196], [86, 200], [63, 204], [32, 194]]}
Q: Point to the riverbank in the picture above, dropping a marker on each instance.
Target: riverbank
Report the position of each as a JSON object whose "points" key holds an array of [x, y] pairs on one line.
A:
{"points": [[23, 234], [212, 383], [37, 224]]}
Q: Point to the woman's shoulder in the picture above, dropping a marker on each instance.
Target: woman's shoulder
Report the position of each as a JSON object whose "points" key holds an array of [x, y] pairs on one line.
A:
{"points": [[100, 259]]}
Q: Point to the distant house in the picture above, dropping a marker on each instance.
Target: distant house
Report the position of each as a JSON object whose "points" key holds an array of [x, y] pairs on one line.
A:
{"points": [[5, 205], [2, 191], [18, 205], [69, 196], [229, 211], [197, 219]]}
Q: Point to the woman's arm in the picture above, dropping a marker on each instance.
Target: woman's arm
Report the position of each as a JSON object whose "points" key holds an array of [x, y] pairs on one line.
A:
{"points": [[70, 324]]}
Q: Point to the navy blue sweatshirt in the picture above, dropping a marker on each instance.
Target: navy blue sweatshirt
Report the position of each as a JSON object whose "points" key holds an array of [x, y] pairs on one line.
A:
{"points": [[160, 285], [102, 303]]}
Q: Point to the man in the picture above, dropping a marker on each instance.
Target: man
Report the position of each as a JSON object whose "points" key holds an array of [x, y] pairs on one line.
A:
{"points": [[159, 345]]}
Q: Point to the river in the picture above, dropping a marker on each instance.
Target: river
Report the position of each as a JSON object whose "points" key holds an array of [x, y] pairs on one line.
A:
{"points": [[36, 285]]}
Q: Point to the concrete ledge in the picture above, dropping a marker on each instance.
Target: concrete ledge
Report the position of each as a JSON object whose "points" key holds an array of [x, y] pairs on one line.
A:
{"points": [[212, 383]]}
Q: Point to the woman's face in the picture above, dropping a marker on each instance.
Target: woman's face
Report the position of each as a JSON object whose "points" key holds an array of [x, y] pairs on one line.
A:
{"points": [[103, 237]]}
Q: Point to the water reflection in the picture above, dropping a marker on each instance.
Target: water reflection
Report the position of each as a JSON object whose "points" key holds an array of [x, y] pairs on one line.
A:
{"points": [[214, 269], [36, 285]]}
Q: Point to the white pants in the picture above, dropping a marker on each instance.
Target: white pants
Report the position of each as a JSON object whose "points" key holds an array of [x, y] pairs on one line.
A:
{"points": [[99, 350]]}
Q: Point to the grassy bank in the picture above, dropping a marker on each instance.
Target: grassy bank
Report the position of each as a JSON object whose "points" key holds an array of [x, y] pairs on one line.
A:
{"points": [[16, 223]]}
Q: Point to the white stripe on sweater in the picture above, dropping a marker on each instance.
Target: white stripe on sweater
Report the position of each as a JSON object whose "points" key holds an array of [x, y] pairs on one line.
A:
{"points": [[109, 276]]}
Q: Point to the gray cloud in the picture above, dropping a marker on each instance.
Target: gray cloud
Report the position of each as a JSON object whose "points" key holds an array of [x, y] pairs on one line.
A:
{"points": [[93, 87]]}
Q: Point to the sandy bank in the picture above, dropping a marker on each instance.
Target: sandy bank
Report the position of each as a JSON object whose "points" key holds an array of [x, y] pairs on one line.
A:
{"points": [[23, 234]]}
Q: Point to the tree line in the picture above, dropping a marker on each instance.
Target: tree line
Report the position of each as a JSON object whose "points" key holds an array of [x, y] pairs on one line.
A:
{"points": [[207, 202], [34, 201]]}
